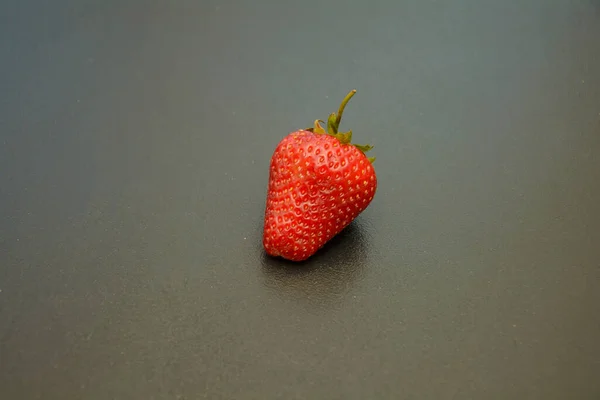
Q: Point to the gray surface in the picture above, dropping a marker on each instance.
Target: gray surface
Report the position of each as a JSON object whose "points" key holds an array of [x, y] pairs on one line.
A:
{"points": [[135, 140]]}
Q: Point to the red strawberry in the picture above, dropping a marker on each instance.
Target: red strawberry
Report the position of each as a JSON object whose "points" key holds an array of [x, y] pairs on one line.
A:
{"points": [[318, 183]]}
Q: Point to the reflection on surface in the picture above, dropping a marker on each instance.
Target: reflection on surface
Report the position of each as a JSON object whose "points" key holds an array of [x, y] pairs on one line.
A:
{"points": [[327, 275]]}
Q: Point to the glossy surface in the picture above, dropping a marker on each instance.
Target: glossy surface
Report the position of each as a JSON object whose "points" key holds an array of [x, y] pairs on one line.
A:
{"points": [[135, 139], [317, 187]]}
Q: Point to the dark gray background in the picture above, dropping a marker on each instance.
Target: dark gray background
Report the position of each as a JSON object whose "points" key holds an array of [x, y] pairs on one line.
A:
{"points": [[135, 141]]}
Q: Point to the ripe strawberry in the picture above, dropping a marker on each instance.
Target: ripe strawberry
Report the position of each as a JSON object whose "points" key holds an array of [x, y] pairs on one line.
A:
{"points": [[318, 183]]}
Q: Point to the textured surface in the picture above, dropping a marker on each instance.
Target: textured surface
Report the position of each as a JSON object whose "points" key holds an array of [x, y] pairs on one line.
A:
{"points": [[317, 187], [130, 257]]}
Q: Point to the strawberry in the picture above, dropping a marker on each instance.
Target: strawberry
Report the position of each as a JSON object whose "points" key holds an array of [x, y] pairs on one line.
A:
{"points": [[318, 184]]}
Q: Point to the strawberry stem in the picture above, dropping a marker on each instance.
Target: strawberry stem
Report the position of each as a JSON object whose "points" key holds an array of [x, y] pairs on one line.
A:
{"points": [[333, 125], [338, 118]]}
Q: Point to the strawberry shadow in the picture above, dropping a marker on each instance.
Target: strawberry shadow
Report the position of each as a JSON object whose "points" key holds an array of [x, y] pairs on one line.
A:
{"points": [[326, 276]]}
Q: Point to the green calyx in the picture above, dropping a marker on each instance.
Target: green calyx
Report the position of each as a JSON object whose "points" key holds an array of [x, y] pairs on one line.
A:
{"points": [[333, 124]]}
